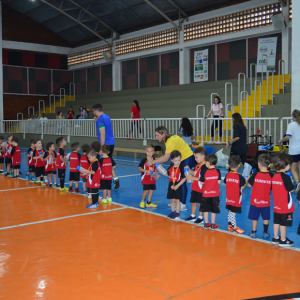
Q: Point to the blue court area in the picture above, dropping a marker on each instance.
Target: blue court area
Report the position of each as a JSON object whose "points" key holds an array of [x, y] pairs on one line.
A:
{"points": [[130, 193]]}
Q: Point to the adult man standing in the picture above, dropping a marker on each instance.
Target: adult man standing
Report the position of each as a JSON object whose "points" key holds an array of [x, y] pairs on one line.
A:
{"points": [[105, 133]]}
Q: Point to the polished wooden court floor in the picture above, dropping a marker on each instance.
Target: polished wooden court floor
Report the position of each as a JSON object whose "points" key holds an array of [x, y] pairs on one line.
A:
{"points": [[52, 247]]}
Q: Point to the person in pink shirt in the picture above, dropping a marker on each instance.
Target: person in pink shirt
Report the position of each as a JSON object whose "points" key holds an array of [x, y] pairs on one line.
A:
{"points": [[135, 114]]}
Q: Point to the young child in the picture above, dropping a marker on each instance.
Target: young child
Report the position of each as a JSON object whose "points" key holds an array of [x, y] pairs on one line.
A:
{"points": [[2, 152], [107, 165], [74, 159], [71, 113], [93, 182], [147, 180], [96, 146], [260, 196], [7, 155], [16, 156], [210, 178], [61, 162], [50, 167], [84, 163], [196, 196], [30, 160], [235, 183], [282, 187], [39, 156], [176, 179]]}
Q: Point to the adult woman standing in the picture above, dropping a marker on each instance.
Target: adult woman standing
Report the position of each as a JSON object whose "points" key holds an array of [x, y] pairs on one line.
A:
{"points": [[186, 131], [174, 142], [59, 117], [217, 110], [239, 141], [293, 136], [135, 115]]}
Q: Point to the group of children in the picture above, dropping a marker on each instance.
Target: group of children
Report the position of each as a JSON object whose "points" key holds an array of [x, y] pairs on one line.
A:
{"points": [[206, 192]]}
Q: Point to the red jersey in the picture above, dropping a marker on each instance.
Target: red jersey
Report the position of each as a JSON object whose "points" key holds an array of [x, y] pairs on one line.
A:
{"points": [[262, 183], [74, 161], [8, 150], [39, 162], [16, 156], [30, 160], [282, 198], [146, 178], [176, 174], [196, 185], [59, 163], [93, 180], [234, 193], [106, 164], [70, 114], [136, 112], [84, 163], [210, 179], [50, 162]]}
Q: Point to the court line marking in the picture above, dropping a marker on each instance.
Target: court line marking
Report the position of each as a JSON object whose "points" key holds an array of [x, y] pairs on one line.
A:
{"points": [[29, 187], [61, 218]]}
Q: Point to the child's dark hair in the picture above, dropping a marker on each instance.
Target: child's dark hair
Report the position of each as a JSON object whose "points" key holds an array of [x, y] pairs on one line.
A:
{"points": [[15, 139], [200, 150], [9, 135], [59, 141], [234, 161], [85, 148], [281, 161], [264, 160], [96, 146], [212, 159], [92, 152], [150, 146], [105, 149], [175, 154], [35, 141], [48, 145], [75, 146], [32, 141], [1, 137]]}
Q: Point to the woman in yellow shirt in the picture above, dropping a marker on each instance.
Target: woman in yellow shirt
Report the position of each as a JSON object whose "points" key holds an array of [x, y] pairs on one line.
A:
{"points": [[174, 142]]}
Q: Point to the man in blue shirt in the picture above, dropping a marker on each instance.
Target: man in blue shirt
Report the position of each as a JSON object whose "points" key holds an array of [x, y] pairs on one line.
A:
{"points": [[105, 133]]}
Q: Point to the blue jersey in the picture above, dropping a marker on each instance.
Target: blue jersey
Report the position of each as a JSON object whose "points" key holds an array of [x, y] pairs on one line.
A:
{"points": [[104, 121]]}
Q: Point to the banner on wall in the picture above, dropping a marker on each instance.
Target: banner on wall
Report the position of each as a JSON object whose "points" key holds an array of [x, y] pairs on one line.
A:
{"points": [[201, 65], [266, 54]]}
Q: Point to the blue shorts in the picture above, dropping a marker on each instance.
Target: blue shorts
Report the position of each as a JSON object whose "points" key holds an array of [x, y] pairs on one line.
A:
{"points": [[255, 212], [296, 158]]}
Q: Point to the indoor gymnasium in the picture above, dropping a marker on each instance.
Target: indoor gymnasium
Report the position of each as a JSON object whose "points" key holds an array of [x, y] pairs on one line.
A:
{"points": [[149, 149]]}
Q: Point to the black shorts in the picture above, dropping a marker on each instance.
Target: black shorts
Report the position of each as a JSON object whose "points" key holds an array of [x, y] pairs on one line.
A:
{"points": [[31, 168], [172, 194], [111, 150], [17, 167], [234, 209], [7, 160], [211, 204], [105, 184], [39, 171], [149, 187], [84, 179], [74, 176], [283, 219], [196, 197], [61, 173], [1, 160], [50, 172]]}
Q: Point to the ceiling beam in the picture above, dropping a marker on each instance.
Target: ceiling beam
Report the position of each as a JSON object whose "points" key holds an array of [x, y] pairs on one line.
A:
{"points": [[29, 11], [181, 11]]}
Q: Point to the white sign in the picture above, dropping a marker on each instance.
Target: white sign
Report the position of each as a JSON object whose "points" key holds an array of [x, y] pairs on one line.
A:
{"points": [[266, 54], [201, 65]]}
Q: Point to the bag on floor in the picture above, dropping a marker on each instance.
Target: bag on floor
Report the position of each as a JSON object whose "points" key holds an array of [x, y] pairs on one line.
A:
{"points": [[222, 159]]}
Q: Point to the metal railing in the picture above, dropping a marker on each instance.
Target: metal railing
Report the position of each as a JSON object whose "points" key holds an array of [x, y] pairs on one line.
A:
{"points": [[18, 115], [231, 96], [281, 62], [239, 84], [29, 107]]}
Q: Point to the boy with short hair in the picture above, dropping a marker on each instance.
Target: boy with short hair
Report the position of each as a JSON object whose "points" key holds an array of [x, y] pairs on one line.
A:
{"points": [[30, 160], [84, 163], [16, 156], [235, 183], [61, 162], [74, 159], [50, 167], [147, 180], [282, 187], [2, 152], [39, 156], [7, 155], [97, 148], [260, 195], [197, 188]]}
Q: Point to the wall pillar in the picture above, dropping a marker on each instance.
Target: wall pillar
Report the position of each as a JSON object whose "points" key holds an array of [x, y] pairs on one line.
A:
{"points": [[286, 40]]}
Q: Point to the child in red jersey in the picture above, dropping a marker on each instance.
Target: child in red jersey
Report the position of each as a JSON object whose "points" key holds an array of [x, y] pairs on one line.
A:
{"points": [[93, 181], [210, 178], [260, 196], [50, 167], [7, 155], [74, 159], [71, 114], [282, 187], [16, 156], [61, 162], [196, 187], [2, 153], [39, 156], [147, 180], [84, 163], [107, 165], [235, 183], [30, 160]]}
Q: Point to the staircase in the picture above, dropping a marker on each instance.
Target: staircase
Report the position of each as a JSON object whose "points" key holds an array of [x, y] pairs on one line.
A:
{"points": [[58, 104]]}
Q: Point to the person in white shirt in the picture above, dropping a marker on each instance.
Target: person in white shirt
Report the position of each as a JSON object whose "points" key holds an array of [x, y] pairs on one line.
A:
{"points": [[217, 110], [43, 118], [293, 136]]}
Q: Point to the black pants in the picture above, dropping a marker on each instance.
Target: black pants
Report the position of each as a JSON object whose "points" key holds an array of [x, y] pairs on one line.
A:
{"points": [[111, 150], [243, 157], [216, 124], [137, 123]]}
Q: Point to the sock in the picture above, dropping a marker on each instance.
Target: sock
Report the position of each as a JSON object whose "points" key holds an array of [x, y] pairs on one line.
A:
{"points": [[148, 202], [266, 228], [231, 218], [62, 183], [200, 217], [193, 216], [70, 188], [253, 231], [143, 200]]}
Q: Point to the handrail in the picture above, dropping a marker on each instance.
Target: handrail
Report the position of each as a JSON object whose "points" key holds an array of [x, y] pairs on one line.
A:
{"points": [[211, 99], [281, 61], [262, 66], [203, 111], [70, 89], [255, 92], [239, 83], [241, 105], [29, 111], [40, 106], [18, 116], [231, 95], [251, 77], [60, 95]]}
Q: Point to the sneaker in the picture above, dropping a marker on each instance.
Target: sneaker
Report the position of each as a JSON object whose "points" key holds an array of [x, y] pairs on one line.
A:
{"points": [[230, 228], [33, 179], [65, 188], [172, 215], [214, 226], [77, 191], [47, 183], [286, 243], [6, 174], [218, 143], [71, 191], [177, 216], [210, 142], [275, 241], [109, 200], [56, 185], [116, 183], [252, 234], [50, 185], [297, 188], [62, 189], [183, 207], [238, 230], [190, 219], [27, 177], [39, 184], [92, 205], [150, 205], [266, 235], [103, 201], [14, 177], [207, 226], [199, 221]]}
